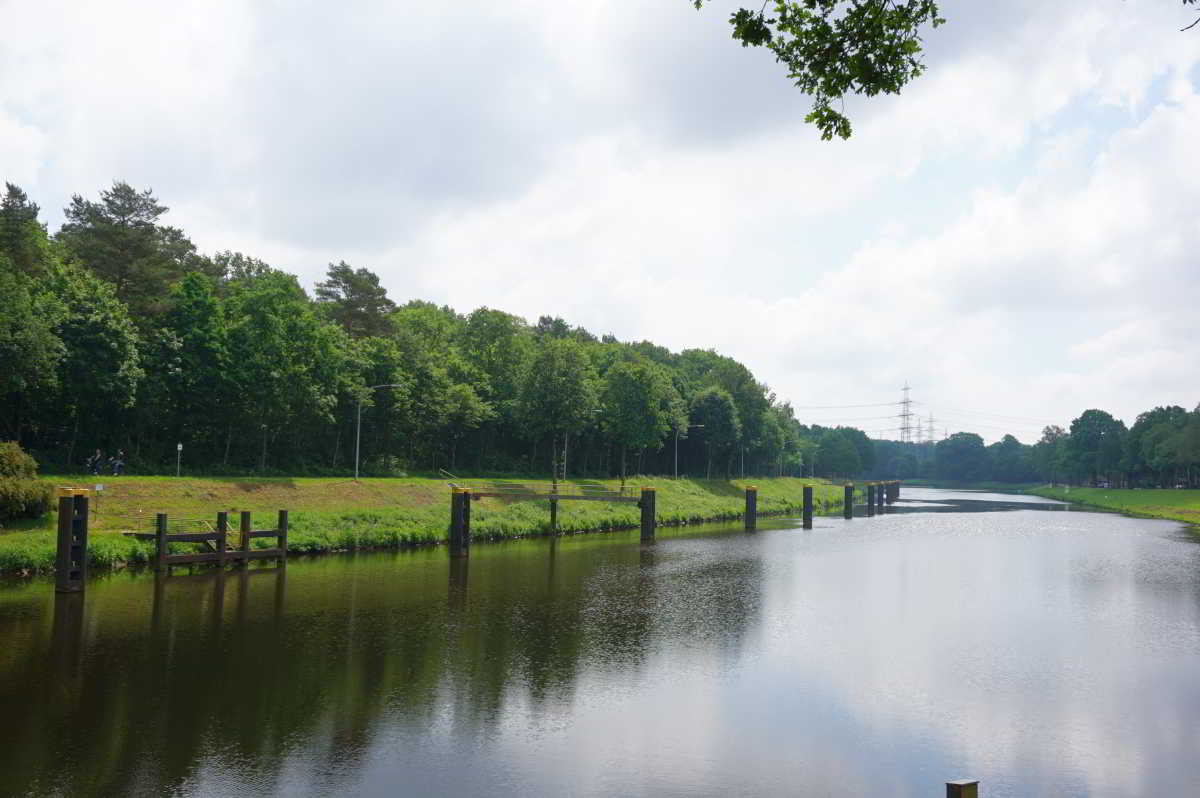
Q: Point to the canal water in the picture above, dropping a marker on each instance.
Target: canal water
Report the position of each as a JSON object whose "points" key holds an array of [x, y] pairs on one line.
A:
{"points": [[1046, 651]]}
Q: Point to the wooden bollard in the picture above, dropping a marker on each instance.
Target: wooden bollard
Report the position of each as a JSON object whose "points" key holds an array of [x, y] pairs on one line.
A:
{"points": [[70, 566], [160, 542], [870, 498], [281, 534], [222, 537], [554, 516], [848, 501], [460, 520], [751, 516], [879, 491], [808, 506], [244, 527], [963, 788], [646, 502]]}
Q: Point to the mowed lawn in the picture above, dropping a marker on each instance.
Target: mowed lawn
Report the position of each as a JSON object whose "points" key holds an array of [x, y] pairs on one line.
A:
{"points": [[1179, 505], [338, 514]]}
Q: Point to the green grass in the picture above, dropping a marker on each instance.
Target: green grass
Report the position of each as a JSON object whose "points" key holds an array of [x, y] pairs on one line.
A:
{"points": [[1177, 505], [335, 514]]}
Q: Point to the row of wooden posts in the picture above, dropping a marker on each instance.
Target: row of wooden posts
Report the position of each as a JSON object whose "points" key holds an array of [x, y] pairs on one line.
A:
{"points": [[878, 494], [71, 561]]}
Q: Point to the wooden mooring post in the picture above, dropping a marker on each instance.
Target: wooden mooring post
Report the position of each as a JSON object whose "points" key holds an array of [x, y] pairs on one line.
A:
{"points": [[460, 523], [808, 506], [870, 498], [646, 502], [962, 788], [751, 516], [879, 491], [848, 501], [70, 567]]}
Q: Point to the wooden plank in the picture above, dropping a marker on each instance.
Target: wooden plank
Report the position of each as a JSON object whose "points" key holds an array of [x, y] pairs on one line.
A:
{"points": [[257, 554], [181, 559], [192, 537], [263, 533]]}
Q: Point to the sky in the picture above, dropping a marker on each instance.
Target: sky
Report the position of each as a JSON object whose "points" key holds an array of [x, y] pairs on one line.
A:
{"points": [[1014, 236]]}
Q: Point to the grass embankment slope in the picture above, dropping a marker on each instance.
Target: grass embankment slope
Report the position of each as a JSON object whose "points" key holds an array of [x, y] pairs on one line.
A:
{"points": [[1176, 505], [343, 515]]}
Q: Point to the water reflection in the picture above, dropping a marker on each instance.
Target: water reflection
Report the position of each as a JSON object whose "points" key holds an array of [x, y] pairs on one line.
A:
{"points": [[1045, 653]]}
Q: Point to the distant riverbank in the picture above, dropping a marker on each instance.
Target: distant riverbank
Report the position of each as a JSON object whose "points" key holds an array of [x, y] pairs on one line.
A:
{"points": [[1175, 505], [996, 487], [342, 515]]}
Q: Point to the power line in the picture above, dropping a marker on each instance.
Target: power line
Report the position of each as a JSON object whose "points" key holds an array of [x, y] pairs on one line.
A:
{"points": [[842, 407]]}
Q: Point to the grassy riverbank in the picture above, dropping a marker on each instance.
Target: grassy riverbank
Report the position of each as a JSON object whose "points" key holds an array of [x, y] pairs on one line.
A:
{"points": [[341, 515], [1176, 505]]}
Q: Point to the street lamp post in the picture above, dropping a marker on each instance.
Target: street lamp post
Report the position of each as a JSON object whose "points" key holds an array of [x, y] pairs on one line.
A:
{"points": [[690, 426], [358, 425]]}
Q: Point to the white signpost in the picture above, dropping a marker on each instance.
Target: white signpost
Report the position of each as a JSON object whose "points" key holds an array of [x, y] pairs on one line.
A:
{"points": [[178, 454]]}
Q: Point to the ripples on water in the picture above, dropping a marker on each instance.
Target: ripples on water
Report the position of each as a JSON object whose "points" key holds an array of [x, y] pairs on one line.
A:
{"points": [[991, 636]]}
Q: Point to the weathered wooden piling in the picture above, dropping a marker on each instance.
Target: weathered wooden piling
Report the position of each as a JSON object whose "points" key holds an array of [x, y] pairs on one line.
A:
{"points": [[70, 568], [244, 525], [554, 516], [281, 533], [879, 491], [160, 542], [870, 498], [751, 515], [962, 788], [222, 537], [848, 501], [460, 523], [808, 506], [648, 517]]}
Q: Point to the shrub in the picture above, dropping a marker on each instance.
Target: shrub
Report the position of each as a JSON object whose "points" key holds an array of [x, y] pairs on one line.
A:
{"points": [[15, 463], [21, 494]]}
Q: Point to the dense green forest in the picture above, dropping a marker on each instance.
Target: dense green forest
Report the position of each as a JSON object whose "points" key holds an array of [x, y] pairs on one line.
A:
{"points": [[122, 336], [117, 334]]}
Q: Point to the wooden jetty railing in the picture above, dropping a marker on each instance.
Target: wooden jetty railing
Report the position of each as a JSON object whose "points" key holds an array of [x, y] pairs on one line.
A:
{"points": [[216, 541]]}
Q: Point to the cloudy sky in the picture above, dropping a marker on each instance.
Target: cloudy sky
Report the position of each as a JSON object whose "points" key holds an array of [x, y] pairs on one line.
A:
{"points": [[1015, 236]]}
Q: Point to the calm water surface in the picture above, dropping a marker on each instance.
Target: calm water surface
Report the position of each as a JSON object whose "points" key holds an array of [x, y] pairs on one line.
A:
{"points": [[1043, 651]]}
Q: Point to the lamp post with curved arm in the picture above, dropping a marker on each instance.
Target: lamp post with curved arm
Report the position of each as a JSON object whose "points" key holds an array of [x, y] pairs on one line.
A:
{"points": [[358, 426]]}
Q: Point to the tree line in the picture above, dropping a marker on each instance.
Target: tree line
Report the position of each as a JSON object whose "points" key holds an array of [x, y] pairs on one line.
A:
{"points": [[1161, 449], [117, 334]]}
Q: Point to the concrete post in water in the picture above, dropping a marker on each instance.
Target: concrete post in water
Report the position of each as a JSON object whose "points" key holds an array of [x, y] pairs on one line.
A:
{"points": [[808, 506], [70, 567], [160, 542], [870, 498], [648, 516], [751, 516], [222, 537], [848, 501], [962, 788], [460, 518]]}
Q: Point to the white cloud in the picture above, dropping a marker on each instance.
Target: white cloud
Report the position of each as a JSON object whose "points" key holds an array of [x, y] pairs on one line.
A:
{"points": [[1013, 234]]}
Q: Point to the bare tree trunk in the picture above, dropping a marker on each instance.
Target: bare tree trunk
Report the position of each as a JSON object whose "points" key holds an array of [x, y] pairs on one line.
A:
{"points": [[74, 435], [228, 441]]}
